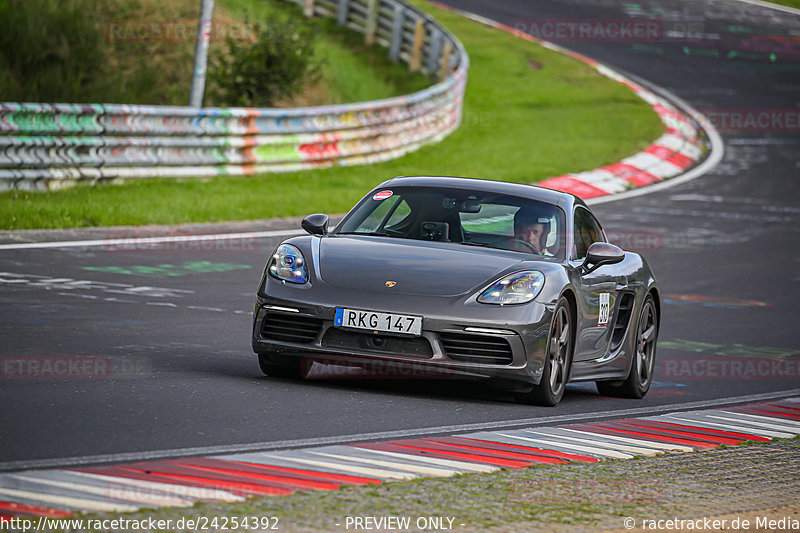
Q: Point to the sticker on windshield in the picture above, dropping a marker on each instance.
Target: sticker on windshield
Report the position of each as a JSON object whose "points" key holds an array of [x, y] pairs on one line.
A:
{"points": [[383, 195], [605, 309]]}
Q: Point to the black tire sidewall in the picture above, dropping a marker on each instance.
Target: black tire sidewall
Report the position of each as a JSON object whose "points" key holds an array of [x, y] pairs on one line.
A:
{"points": [[542, 393]]}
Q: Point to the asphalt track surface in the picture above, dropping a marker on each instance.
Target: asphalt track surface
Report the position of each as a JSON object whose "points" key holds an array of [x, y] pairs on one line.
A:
{"points": [[158, 338]]}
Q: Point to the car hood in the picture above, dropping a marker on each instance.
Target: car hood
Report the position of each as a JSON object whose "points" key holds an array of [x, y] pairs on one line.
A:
{"points": [[417, 267]]}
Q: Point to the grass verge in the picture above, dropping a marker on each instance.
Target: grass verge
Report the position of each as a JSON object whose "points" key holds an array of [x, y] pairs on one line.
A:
{"points": [[790, 3], [529, 113]]}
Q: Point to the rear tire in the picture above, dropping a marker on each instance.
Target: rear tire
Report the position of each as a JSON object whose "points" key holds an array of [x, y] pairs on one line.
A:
{"points": [[276, 366], [558, 358], [643, 365]]}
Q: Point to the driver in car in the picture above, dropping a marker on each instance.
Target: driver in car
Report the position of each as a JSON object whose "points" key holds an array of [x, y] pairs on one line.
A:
{"points": [[531, 230]]}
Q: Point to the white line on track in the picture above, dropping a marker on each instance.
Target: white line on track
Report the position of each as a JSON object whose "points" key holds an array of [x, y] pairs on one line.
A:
{"points": [[770, 5], [151, 240], [385, 435]]}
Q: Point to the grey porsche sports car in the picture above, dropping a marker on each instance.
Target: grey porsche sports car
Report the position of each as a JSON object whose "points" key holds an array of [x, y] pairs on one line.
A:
{"points": [[462, 278]]}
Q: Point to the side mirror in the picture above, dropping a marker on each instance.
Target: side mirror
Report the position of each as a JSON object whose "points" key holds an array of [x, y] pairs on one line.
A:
{"points": [[602, 253], [316, 224]]}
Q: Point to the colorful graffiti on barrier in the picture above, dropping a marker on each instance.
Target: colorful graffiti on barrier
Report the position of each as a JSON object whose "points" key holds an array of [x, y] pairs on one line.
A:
{"points": [[55, 145]]}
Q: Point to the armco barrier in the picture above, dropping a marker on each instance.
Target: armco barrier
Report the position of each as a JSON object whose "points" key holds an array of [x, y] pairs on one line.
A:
{"points": [[46, 146]]}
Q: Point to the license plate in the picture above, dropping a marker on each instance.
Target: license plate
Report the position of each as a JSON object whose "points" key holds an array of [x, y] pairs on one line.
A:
{"points": [[382, 322]]}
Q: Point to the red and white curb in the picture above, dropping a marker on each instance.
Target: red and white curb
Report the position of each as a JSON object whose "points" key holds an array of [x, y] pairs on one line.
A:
{"points": [[234, 477], [681, 147], [669, 156]]}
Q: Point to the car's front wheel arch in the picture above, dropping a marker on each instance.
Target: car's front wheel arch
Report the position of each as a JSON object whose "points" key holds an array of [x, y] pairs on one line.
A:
{"points": [[643, 357], [558, 357], [573, 311]]}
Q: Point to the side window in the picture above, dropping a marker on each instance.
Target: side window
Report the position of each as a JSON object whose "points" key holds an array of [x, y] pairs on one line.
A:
{"points": [[587, 231]]}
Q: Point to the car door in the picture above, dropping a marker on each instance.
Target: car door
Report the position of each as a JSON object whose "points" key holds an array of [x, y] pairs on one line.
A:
{"points": [[597, 291]]}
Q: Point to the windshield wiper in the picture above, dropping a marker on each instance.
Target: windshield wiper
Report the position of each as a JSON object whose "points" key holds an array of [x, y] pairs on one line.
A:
{"points": [[474, 243]]}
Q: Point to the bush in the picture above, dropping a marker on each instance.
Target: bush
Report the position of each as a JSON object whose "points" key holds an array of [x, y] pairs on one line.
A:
{"points": [[49, 51], [276, 66]]}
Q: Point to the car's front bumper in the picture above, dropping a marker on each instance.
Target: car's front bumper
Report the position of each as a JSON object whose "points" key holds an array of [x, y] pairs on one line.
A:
{"points": [[478, 341]]}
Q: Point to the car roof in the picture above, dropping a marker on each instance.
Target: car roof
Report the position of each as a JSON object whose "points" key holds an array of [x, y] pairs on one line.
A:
{"points": [[565, 200]]}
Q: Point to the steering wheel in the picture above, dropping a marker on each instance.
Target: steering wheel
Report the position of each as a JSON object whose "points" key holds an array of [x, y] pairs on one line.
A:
{"points": [[531, 248]]}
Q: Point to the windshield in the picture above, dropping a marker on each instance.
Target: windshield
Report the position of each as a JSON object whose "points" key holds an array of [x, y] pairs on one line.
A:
{"points": [[465, 217]]}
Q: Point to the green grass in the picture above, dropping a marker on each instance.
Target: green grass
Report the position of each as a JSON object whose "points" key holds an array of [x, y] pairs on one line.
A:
{"points": [[529, 113], [790, 3]]}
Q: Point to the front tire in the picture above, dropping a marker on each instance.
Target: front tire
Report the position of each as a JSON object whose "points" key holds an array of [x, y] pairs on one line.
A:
{"points": [[283, 367], [558, 358], [643, 365]]}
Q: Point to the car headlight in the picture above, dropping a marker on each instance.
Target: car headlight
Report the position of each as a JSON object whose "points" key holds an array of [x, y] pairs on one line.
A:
{"points": [[288, 264], [516, 288]]}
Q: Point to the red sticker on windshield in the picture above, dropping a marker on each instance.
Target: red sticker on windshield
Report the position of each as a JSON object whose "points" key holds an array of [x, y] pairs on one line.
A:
{"points": [[383, 195]]}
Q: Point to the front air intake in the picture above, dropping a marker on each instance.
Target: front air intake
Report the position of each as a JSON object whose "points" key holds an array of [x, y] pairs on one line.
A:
{"points": [[287, 327], [484, 349]]}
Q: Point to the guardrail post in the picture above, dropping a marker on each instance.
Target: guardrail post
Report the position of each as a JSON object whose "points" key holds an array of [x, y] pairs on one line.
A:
{"points": [[372, 22], [419, 40], [397, 32], [435, 49], [308, 9], [341, 16], [444, 69]]}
